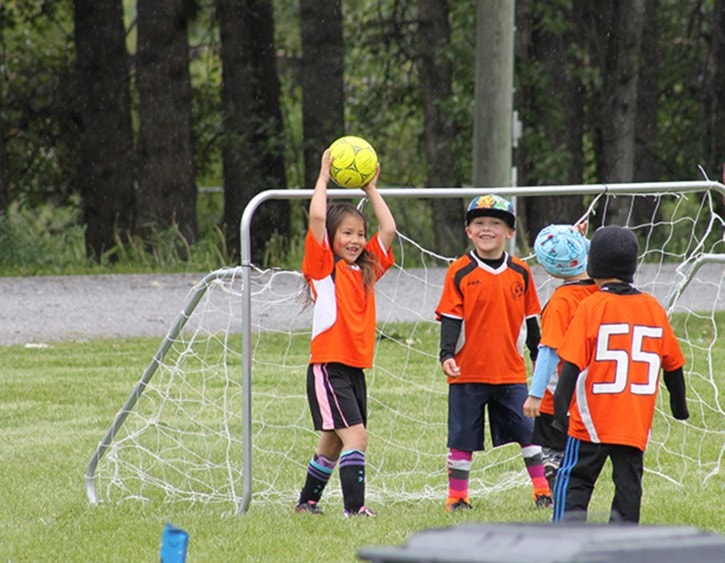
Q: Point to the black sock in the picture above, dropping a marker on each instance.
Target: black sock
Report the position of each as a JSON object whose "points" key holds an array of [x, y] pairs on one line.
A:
{"points": [[318, 474], [352, 479]]}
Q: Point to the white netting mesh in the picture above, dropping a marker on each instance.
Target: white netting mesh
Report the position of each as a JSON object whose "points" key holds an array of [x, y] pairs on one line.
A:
{"points": [[182, 441]]}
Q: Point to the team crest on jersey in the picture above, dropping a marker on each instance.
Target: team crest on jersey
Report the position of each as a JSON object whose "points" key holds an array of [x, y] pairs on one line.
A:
{"points": [[517, 290]]}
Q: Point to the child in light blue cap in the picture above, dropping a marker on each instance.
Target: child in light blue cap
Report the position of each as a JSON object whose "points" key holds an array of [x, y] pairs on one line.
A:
{"points": [[562, 251]]}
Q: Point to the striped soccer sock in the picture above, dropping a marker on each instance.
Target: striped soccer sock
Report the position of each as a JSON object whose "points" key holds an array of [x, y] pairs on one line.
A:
{"points": [[318, 474], [352, 479], [535, 467], [459, 470]]}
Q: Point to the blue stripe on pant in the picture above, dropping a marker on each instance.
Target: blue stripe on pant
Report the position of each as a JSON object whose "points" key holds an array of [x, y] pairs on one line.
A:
{"points": [[579, 472], [571, 457]]}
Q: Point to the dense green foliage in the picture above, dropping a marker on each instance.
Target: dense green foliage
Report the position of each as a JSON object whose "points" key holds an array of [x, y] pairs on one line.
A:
{"points": [[39, 111], [48, 239]]}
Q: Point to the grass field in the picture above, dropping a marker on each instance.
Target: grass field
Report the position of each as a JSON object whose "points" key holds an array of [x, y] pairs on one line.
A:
{"points": [[57, 402]]}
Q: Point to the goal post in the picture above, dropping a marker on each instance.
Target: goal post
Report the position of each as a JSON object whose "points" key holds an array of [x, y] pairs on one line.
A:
{"points": [[255, 395], [193, 298]]}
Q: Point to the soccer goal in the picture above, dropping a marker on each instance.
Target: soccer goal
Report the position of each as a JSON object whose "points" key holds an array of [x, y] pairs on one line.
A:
{"points": [[220, 415]]}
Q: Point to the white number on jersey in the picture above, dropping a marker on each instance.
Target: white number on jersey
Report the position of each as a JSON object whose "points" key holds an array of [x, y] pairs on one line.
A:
{"points": [[622, 358]]}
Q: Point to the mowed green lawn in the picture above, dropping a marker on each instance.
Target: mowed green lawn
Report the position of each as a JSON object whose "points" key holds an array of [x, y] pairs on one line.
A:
{"points": [[57, 403]]}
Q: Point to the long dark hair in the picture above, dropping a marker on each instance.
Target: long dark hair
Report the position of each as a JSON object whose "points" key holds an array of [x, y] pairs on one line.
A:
{"points": [[367, 261]]}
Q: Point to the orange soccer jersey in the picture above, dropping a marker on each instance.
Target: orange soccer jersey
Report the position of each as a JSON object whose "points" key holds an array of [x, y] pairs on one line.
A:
{"points": [[555, 319], [343, 324], [494, 305], [620, 342]]}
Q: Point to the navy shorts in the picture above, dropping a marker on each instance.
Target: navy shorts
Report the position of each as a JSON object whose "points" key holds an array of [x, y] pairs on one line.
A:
{"points": [[467, 404], [337, 395]]}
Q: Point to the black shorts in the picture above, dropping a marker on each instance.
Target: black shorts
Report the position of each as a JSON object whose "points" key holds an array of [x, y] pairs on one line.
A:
{"points": [[467, 403], [546, 435], [337, 395]]}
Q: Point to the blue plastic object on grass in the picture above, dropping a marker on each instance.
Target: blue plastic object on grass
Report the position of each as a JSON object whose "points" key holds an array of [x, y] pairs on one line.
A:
{"points": [[174, 542]]}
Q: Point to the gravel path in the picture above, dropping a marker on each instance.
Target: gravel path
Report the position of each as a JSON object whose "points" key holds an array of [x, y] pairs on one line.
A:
{"points": [[46, 309], [37, 310]]}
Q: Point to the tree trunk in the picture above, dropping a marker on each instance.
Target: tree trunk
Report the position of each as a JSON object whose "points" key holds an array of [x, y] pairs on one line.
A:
{"points": [[492, 115], [167, 187], [716, 110], [617, 51], [619, 93], [253, 146], [106, 162], [4, 196], [552, 112], [647, 168], [323, 110], [436, 76], [647, 164]]}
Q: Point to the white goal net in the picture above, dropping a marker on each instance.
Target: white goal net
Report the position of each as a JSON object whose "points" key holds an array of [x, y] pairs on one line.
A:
{"points": [[186, 434]]}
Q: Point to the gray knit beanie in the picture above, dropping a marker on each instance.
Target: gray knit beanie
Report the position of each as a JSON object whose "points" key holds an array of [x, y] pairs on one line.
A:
{"points": [[613, 254]]}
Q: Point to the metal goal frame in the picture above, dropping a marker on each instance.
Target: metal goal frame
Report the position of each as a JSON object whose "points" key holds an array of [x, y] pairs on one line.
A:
{"points": [[245, 270]]}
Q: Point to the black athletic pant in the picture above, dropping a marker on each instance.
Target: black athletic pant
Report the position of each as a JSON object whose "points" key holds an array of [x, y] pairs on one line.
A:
{"points": [[580, 468]]}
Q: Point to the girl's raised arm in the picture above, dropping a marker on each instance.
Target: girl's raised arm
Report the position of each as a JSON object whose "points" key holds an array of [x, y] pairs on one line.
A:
{"points": [[385, 218], [318, 203]]}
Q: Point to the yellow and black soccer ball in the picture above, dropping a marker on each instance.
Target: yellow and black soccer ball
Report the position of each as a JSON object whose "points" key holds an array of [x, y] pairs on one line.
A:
{"points": [[354, 161]]}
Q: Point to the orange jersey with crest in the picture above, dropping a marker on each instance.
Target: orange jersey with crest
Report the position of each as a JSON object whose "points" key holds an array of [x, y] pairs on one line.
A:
{"points": [[555, 319], [620, 342], [343, 323], [494, 305]]}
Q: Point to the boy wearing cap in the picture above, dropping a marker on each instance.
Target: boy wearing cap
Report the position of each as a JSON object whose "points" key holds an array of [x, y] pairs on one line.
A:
{"points": [[488, 298], [612, 354], [562, 251]]}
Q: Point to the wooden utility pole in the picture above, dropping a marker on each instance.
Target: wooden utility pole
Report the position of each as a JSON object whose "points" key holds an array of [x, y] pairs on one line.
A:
{"points": [[492, 115]]}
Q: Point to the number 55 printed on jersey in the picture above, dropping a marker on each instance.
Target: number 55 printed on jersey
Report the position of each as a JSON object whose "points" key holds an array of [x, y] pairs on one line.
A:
{"points": [[622, 358]]}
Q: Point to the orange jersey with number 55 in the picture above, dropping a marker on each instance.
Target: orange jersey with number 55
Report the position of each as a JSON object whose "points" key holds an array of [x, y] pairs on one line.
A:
{"points": [[621, 342]]}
